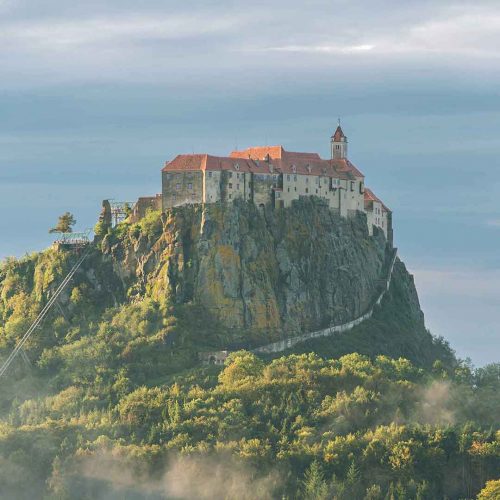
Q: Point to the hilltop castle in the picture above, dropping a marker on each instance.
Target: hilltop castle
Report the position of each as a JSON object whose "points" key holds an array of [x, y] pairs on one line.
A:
{"points": [[269, 175]]}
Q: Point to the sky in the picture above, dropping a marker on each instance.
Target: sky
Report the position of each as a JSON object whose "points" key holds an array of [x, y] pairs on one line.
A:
{"points": [[95, 96]]}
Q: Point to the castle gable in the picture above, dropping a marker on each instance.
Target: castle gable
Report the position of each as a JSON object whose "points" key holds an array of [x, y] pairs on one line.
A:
{"points": [[370, 197]]}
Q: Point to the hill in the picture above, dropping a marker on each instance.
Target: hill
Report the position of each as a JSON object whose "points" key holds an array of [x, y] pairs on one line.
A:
{"points": [[116, 403]]}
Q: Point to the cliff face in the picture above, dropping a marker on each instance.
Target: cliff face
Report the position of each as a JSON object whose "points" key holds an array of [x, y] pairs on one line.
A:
{"points": [[263, 273]]}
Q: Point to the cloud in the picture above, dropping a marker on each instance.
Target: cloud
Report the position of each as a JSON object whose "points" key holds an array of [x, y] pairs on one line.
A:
{"points": [[111, 30], [461, 32], [326, 49], [228, 44]]}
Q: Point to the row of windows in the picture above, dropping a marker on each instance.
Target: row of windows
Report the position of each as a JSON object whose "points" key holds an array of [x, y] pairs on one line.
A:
{"points": [[274, 178], [174, 196], [230, 196], [318, 180]]}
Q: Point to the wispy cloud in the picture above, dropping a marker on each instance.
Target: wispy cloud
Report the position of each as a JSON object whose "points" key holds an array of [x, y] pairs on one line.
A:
{"points": [[326, 49], [474, 32], [110, 30]]}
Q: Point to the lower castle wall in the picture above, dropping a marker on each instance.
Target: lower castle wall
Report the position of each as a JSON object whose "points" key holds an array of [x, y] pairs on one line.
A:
{"points": [[144, 204]]}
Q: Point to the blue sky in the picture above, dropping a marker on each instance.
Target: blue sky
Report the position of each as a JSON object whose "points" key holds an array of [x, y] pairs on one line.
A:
{"points": [[95, 96]]}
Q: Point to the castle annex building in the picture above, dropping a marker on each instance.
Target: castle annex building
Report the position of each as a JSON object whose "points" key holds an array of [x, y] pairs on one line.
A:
{"points": [[269, 175]]}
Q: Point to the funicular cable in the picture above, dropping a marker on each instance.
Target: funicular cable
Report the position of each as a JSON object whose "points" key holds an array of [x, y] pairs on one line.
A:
{"points": [[42, 313]]}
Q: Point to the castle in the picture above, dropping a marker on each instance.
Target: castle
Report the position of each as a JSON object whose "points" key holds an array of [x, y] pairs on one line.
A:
{"points": [[272, 176]]}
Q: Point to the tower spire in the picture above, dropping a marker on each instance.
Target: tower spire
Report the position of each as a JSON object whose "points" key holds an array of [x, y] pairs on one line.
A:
{"points": [[338, 143]]}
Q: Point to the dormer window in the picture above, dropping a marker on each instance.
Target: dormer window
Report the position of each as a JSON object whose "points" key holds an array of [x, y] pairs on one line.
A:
{"points": [[308, 168], [237, 166], [294, 169]]}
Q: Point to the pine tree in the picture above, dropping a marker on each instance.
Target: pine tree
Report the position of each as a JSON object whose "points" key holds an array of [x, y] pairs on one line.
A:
{"points": [[65, 224], [314, 484]]}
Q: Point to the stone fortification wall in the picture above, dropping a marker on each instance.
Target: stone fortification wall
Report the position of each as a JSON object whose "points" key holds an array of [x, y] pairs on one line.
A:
{"points": [[182, 188]]}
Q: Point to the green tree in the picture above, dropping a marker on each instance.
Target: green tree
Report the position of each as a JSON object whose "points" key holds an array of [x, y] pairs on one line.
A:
{"points": [[65, 223], [314, 484], [374, 492], [491, 491]]}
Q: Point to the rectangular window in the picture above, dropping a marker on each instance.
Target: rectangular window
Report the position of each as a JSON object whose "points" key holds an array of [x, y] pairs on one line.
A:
{"points": [[288, 177], [210, 173], [190, 186], [294, 178], [230, 185], [307, 190], [316, 191], [307, 180], [230, 174], [177, 186], [352, 185], [237, 186], [295, 188], [288, 189], [230, 196]]}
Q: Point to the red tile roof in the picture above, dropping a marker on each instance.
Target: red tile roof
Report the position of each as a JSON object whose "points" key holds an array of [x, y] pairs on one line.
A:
{"points": [[259, 152], [338, 135], [370, 197], [274, 152], [344, 165], [280, 161]]}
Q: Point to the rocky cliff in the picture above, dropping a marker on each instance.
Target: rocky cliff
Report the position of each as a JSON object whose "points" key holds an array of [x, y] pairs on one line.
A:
{"points": [[219, 277], [263, 274]]}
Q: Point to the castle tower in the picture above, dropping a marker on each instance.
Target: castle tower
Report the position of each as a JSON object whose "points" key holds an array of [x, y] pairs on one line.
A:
{"points": [[338, 144]]}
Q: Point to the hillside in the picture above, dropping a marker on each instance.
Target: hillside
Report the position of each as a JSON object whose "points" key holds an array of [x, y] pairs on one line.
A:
{"points": [[116, 385]]}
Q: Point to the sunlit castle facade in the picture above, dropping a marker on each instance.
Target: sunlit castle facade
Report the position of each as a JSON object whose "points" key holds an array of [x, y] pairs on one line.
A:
{"points": [[271, 176]]}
